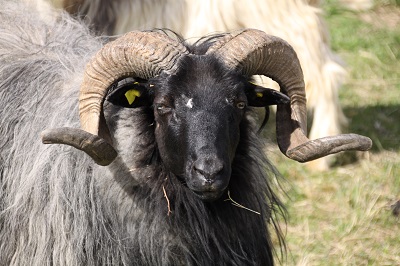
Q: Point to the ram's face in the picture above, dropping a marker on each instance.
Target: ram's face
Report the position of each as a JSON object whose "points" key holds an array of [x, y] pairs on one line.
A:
{"points": [[197, 116]]}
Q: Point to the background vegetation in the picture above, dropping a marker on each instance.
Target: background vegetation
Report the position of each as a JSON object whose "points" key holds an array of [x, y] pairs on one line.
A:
{"points": [[347, 216]]}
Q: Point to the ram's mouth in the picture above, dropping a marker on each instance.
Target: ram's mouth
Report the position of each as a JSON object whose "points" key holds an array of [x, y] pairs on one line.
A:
{"points": [[208, 194]]}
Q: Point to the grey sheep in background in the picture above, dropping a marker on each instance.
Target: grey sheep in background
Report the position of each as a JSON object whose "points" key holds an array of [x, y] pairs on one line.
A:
{"points": [[172, 125]]}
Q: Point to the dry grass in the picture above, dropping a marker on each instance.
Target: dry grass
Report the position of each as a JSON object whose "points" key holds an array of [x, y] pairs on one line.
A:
{"points": [[344, 216]]}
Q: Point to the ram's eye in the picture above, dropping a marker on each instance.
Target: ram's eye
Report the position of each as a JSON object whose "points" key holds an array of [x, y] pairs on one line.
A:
{"points": [[241, 105], [163, 109], [128, 93]]}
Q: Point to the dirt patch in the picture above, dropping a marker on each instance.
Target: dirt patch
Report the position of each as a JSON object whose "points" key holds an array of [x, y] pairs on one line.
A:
{"points": [[383, 17]]}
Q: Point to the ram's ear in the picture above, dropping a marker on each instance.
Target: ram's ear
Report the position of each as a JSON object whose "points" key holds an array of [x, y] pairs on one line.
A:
{"points": [[259, 96], [129, 93]]}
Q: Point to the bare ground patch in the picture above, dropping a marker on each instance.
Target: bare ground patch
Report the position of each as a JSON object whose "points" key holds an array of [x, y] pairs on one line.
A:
{"points": [[383, 17]]}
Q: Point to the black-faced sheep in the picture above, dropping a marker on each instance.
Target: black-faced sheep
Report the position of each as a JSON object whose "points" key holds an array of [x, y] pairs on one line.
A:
{"points": [[172, 121]]}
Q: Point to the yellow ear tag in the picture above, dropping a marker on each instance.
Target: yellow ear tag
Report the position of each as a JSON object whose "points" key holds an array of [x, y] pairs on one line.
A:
{"points": [[131, 95], [259, 94]]}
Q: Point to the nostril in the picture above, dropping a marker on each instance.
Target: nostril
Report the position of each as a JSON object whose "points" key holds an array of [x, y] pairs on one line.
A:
{"points": [[208, 168], [198, 168]]}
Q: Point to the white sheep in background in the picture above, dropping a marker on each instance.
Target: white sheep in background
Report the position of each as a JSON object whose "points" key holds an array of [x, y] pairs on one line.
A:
{"points": [[358, 5]]}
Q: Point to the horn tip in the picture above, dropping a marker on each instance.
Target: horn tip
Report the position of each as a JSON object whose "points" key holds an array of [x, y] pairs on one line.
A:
{"points": [[96, 147], [322, 147]]}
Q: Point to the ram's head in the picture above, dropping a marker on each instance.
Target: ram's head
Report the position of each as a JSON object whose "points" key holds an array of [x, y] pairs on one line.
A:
{"points": [[199, 100]]}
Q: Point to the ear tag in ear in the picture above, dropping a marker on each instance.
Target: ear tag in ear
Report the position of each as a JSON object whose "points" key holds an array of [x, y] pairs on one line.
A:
{"points": [[259, 94], [131, 95]]}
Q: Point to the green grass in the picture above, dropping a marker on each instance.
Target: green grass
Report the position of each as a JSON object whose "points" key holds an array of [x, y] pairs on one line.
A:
{"points": [[344, 216]]}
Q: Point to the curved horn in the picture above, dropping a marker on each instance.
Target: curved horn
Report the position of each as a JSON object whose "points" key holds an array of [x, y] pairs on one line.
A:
{"points": [[97, 148], [139, 54], [253, 52]]}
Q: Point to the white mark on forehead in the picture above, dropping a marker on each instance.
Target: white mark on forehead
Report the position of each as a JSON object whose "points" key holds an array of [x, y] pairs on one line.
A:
{"points": [[190, 103]]}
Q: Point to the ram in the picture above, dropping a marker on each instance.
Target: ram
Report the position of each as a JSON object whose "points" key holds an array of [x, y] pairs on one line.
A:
{"points": [[172, 143], [300, 22]]}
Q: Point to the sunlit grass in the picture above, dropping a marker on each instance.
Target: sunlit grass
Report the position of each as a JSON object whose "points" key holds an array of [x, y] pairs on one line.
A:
{"points": [[344, 216]]}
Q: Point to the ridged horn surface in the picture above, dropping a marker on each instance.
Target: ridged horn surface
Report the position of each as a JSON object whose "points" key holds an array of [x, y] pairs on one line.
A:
{"points": [[139, 54]]}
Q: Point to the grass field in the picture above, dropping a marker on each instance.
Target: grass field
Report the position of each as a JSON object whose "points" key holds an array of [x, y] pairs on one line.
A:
{"points": [[345, 216]]}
